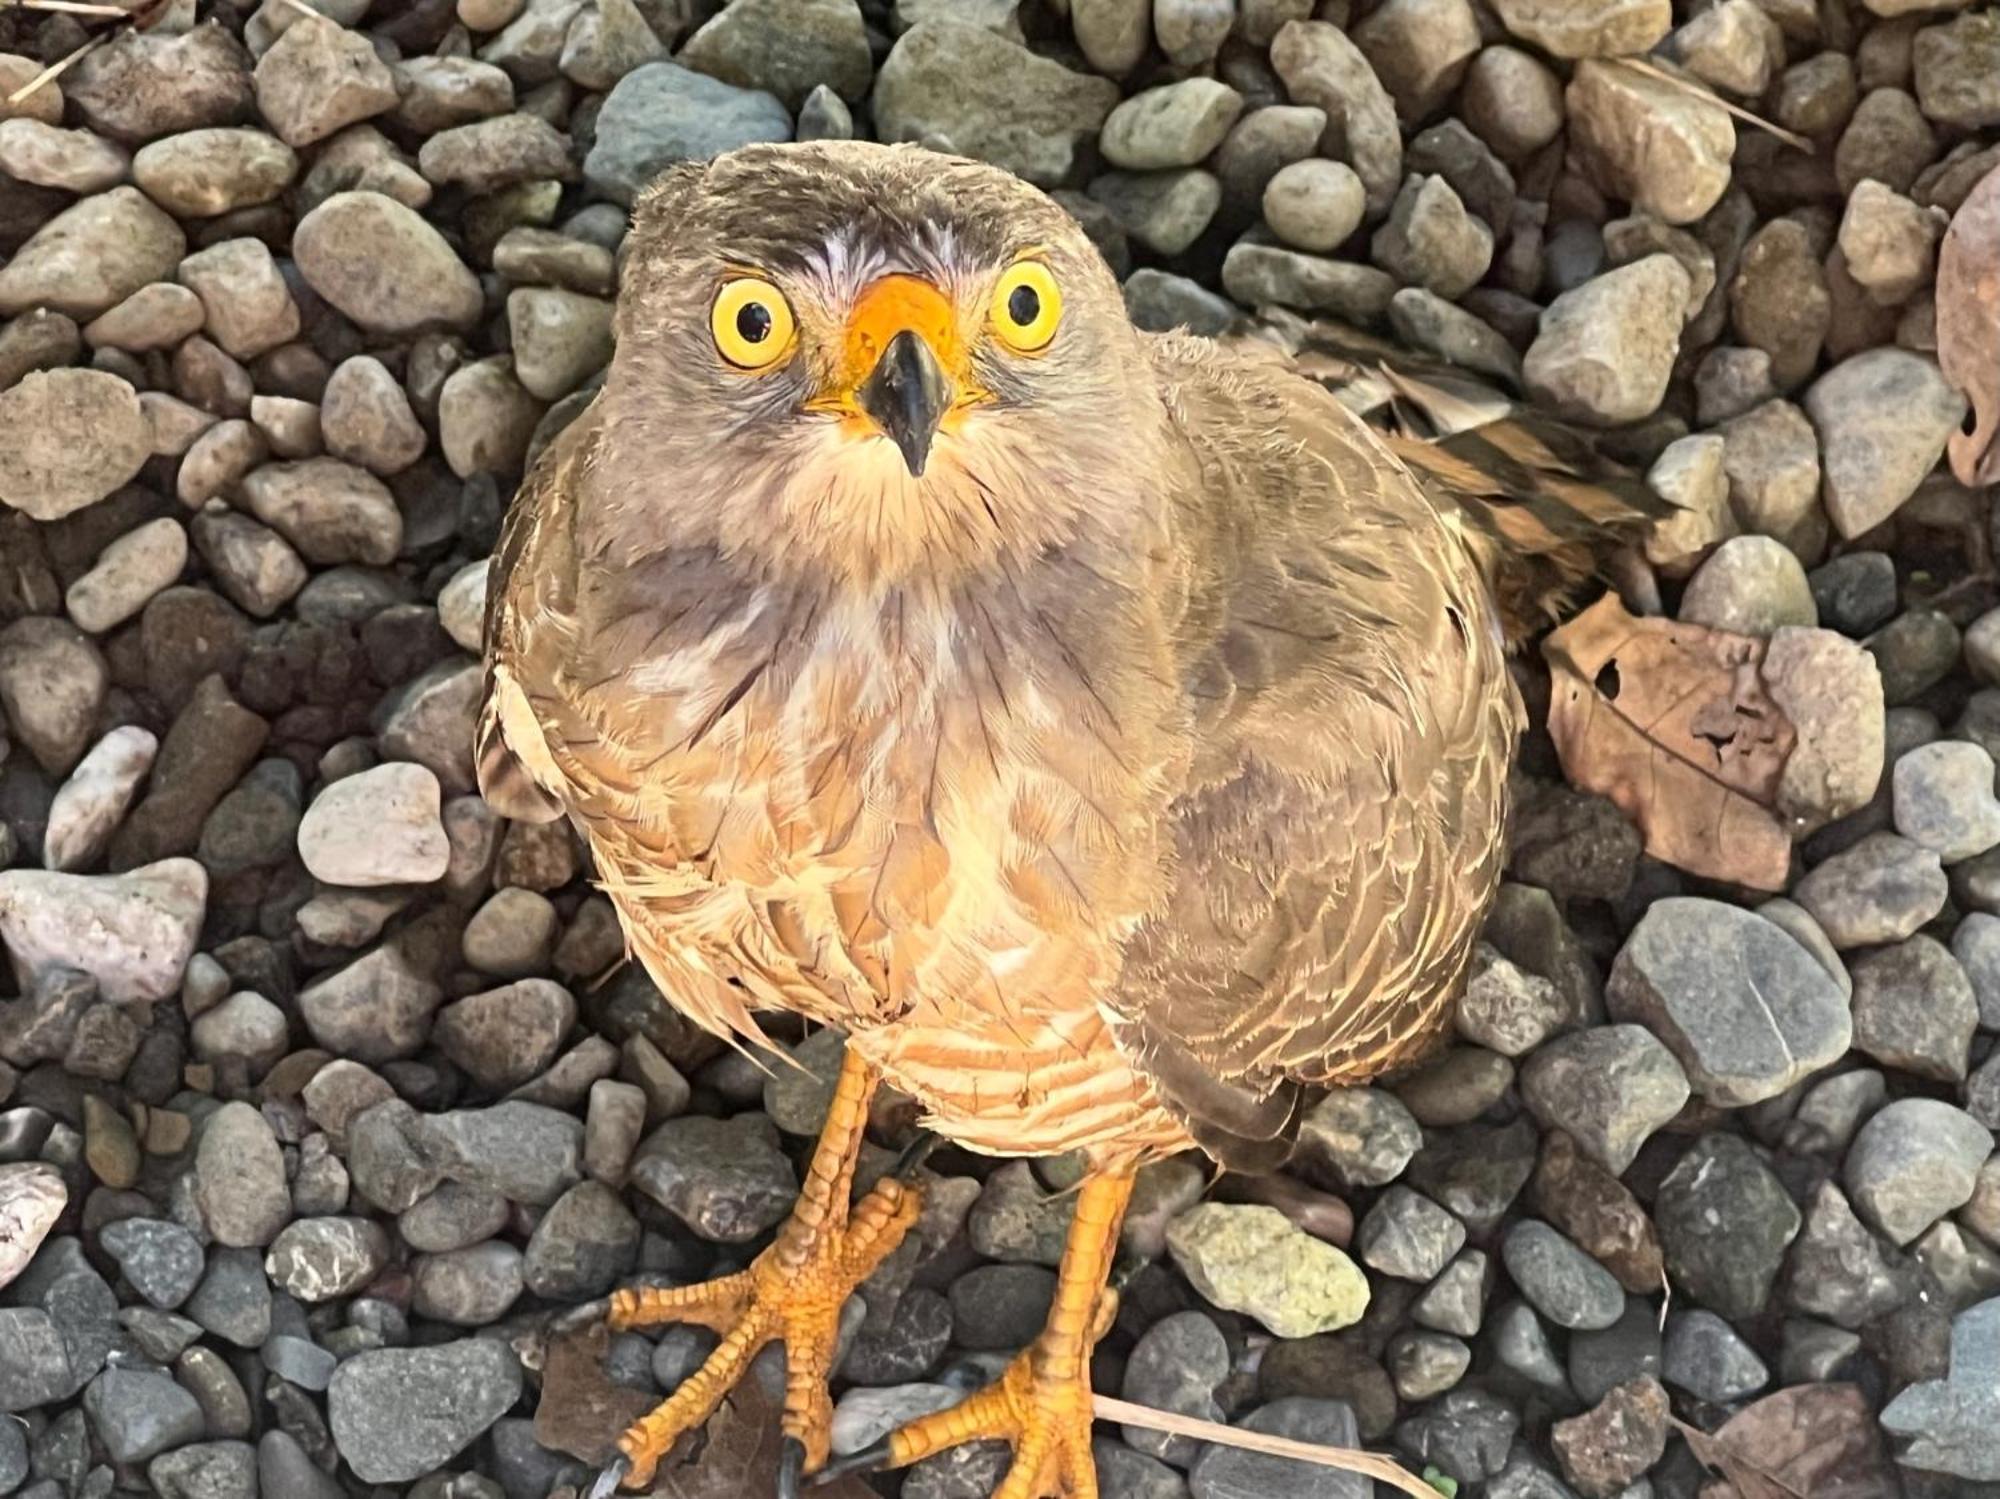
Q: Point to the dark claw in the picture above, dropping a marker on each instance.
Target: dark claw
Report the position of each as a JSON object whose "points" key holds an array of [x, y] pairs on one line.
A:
{"points": [[609, 1478], [867, 1460], [914, 1155], [791, 1467]]}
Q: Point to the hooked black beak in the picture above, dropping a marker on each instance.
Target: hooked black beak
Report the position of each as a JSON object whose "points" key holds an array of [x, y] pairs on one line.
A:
{"points": [[907, 395]]}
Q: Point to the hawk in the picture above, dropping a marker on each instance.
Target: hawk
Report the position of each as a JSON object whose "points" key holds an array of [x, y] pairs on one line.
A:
{"points": [[1108, 732]]}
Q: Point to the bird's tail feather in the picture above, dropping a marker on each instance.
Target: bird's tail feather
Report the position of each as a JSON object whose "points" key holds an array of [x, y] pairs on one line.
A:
{"points": [[1547, 511]]}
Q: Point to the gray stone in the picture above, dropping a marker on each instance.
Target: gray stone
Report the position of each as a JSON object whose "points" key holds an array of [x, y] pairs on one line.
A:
{"points": [[1455, 1302], [1883, 418], [206, 1470], [375, 1010], [1952, 1425], [663, 113], [470, 1287], [506, 1036], [1704, 1356], [318, 77], [1407, 1235], [240, 1178], [1724, 1221], [1913, 1162], [382, 265], [1881, 890], [1431, 241], [1745, 1009], [79, 434], [1233, 1473], [137, 1413], [398, 1413], [527, 1152], [1665, 149], [1609, 1087], [1914, 1009], [34, 1363], [1562, 1282], [325, 1259], [1605, 351], [1752, 585], [1506, 1008], [785, 48], [988, 98], [1840, 1271], [725, 1178], [162, 1261], [1255, 274], [1176, 1366], [1320, 66], [1175, 125], [1356, 1137], [1158, 302], [92, 255], [583, 1246], [1945, 800], [1465, 1433]]}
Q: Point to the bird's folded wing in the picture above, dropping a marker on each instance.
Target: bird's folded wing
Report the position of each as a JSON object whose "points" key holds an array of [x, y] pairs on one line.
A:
{"points": [[1544, 500], [529, 584], [1339, 831]]}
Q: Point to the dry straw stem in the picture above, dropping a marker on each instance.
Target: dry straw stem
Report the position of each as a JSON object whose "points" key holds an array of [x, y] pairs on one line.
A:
{"points": [[1687, 86], [1346, 1459], [69, 8], [53, 71]]}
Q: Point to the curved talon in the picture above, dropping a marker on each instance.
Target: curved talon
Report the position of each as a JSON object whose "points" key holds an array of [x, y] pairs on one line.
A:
{"points": [[914, 1155], [608, 1478], [868, 1460], [791, 1467]]}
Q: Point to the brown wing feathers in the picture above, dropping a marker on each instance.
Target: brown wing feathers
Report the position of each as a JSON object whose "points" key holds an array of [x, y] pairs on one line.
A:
{"points": [[1550, 506]]}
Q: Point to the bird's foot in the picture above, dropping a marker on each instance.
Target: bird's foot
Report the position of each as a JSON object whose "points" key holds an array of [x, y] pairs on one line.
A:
{"points": [[792, 1292], [1040, 1406]]}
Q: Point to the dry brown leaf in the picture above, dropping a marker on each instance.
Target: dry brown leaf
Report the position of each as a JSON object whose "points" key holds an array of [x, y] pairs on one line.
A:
{"points": [[32, 1197], [1671, 722], [735, 1453], [581, 1411], [1968, 328], [1816, 1441]]}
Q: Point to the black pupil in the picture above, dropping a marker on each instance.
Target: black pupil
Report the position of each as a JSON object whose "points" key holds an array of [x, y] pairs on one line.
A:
{"points": [[753, 322], [1024, 305]]}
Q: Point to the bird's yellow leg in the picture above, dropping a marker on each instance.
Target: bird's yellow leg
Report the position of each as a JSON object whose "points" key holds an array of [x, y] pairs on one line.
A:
{"points": [[793, 1291], [1041, 1405]]}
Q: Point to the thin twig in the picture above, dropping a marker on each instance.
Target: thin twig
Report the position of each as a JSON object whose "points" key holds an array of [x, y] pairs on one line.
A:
{"points": [[52, 72], [1689, 86], [70, 8], [1346, 1459]]}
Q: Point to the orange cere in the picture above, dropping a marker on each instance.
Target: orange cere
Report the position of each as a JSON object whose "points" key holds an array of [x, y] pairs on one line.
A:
{"points": [[897, 304]]}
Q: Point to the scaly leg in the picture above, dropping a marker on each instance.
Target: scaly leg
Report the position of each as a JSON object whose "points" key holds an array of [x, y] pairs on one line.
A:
{"points": [[1041, 1404], [793, 1291]]}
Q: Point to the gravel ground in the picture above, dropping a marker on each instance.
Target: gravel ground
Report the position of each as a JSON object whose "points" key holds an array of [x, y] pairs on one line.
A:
{"points": [[324, 1082]]}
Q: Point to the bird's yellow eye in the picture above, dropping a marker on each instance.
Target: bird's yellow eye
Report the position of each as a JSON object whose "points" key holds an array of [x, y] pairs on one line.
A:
{"points": [[752, 323], [1027, 305]]}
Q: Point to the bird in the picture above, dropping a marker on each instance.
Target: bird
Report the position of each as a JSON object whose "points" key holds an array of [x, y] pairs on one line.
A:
{"points": [[1108, 731]]}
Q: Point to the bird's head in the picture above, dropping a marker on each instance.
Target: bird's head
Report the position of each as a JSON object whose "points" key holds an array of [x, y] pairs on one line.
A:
{"points": [[868, 361]]}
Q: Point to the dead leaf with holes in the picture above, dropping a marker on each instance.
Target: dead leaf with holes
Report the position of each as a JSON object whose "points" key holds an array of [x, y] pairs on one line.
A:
{"points": [[1672, 722], [1816, 1441], [1968, 328]]}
